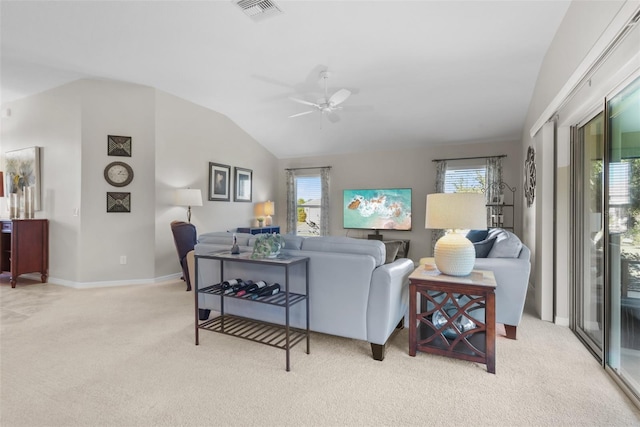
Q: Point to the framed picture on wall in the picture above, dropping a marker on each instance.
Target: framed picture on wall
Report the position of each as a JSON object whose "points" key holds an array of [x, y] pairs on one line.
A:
{"points": [[243, 184], [219, 182], [22, 170]]}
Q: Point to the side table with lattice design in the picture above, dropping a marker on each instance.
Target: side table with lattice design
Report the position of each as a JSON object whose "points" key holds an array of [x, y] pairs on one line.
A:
{"points": [[457, 315]]}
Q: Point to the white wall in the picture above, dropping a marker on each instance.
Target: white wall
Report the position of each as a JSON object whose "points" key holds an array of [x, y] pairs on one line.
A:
{"points": [[412, 168], [172, 142], [51, 120], [188, 138], [110, 108], [582, 31]]}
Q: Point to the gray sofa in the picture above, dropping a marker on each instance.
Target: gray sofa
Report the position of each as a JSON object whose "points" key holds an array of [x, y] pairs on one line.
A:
{"points": [[502, 252], [353, 291]]}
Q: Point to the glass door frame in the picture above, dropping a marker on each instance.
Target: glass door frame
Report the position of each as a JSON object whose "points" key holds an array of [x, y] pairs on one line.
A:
{"points": [[577, 180]]}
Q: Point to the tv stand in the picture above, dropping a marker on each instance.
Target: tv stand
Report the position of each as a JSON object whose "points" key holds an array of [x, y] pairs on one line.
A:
{"points": [[404, 250], [376, 236]]}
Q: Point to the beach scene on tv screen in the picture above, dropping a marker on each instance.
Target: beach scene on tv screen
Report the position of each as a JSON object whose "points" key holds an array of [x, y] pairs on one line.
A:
{"points": [[378, 209]]}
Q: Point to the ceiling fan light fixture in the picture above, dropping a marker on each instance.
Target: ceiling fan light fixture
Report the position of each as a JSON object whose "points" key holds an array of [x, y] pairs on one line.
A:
{"points": [[258, 9]]}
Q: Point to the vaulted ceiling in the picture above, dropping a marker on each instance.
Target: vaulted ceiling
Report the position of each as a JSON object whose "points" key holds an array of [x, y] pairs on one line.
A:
{"points": [[420, 72]]}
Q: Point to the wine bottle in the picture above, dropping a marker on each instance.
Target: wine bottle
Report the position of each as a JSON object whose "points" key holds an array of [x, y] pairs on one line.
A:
{"points": [[269, 290], [249, 288], [261, 284], [228, 285]]}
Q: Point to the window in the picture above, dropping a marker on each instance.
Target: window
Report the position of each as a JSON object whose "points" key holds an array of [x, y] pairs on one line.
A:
{"points": [[465, 178], [308, 201]]}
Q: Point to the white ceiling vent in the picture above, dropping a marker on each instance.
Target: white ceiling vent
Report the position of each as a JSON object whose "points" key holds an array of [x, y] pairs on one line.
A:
{"points": [[258, 9]]}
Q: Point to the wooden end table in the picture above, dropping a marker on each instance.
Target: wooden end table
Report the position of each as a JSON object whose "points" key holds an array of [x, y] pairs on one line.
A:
{"points": [[454, 302]]}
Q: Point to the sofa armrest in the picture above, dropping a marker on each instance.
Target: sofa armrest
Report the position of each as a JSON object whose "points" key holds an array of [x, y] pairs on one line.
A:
{"points": [[388, 299]]}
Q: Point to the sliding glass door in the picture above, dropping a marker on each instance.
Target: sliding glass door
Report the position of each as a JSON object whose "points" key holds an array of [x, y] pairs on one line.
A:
{"points": [[589, 232], [623, 229], [606, 234]]}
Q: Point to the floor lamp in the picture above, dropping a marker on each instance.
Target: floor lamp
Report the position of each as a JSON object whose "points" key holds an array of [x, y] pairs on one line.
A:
{"points": [[188, 197]]}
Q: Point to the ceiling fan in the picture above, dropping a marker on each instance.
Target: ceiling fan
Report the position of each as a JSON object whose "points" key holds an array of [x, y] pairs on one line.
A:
{"points": [[327, 105]]}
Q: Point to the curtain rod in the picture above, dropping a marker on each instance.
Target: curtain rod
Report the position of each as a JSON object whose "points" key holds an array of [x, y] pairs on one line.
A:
{"points": [[469, 158], [312, 167]]}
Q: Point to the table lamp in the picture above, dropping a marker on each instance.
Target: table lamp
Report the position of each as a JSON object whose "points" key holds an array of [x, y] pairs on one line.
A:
{"points": [[268, 211], [454, 254], [188, 197]]}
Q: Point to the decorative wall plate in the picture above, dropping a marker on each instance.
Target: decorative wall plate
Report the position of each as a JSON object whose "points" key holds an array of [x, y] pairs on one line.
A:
{"points": [[530, 176], [118, 202], [119, 146]]}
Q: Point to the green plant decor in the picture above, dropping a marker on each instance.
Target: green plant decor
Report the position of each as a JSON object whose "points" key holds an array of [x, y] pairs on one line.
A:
{"points": [[267, 246]]}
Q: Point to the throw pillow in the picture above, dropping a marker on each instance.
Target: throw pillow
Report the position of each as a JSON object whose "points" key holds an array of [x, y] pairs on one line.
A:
{"points": [[484, 247], [477, 235], [392, 250], [507, 245]]}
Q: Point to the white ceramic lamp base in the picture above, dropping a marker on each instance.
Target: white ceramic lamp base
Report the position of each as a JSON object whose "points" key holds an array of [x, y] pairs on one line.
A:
{"points": [[455, 255]]}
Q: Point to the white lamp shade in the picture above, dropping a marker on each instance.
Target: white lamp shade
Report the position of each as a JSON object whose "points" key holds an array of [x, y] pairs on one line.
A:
{"points": [[454, 254], [456, 211], [268, 208], [188, 197]]}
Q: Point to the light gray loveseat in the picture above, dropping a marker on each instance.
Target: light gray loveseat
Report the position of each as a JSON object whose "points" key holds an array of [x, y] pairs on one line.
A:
{"points": [[353, 293], [508, 258]]}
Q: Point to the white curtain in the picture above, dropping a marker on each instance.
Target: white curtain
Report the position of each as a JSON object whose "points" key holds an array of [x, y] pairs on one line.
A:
{"points": [[292, 214], [441, 172], [494, 185], [324, 203]]}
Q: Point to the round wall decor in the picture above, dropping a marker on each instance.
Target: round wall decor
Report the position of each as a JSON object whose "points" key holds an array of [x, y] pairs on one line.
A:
{"points": [[118, 174], [530, 176]]}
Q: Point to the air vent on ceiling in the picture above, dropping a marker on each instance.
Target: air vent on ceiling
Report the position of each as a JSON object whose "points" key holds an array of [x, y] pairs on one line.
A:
{"points": [[258, 9]]}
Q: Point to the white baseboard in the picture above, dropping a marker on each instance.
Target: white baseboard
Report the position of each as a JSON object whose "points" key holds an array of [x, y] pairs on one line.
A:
{"points": [[562, 321], [106, 284]]}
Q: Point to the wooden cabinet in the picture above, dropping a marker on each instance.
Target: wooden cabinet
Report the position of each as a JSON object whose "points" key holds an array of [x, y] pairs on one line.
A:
{"points": [[24, 247]]}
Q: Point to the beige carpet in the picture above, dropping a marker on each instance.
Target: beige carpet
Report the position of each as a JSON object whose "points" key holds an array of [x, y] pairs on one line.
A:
{"points": [[126, 357]]}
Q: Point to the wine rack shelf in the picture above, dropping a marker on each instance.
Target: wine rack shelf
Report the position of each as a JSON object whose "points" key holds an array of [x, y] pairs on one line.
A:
{"points": [[274, 335]]}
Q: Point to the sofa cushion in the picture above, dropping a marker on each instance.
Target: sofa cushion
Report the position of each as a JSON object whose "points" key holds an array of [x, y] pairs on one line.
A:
{"points": [[477, 235], [484, 247], [347, 245], [507, 245]]}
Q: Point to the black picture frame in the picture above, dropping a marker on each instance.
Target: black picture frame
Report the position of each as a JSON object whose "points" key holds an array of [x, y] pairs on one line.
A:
{"points": [[118, 202], [243, 185], [119, 146], [219, 182]]}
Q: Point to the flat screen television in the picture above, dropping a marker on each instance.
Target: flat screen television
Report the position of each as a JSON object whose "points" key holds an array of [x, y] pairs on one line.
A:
{"points": [[377, 209]]}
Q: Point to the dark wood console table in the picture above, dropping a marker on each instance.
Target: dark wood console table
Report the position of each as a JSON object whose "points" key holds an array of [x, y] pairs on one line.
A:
{"points": [[455, 298], [24, 247]]}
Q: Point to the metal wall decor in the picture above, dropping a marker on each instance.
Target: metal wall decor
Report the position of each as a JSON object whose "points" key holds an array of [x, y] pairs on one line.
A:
{"points": [[118, 202], [530, 176], [119, 146]]}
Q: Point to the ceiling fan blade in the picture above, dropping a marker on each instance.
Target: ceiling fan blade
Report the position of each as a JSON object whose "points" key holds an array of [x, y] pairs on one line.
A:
{"points": [[339, 97], [302, 114], [302, 101]]}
